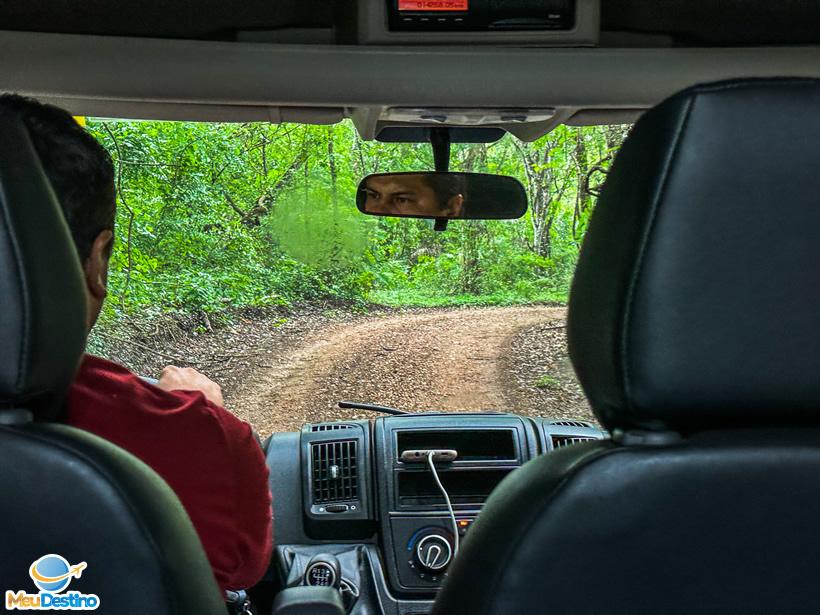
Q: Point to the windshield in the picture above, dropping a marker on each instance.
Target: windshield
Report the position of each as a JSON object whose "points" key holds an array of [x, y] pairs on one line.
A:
{"points": [[240, 252]]}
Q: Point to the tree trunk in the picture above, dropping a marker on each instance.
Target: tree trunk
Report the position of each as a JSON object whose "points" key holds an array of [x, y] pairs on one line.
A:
{"points": [[471, 234], [615, 135], [582, 196], [540, 180], [334, 176]]}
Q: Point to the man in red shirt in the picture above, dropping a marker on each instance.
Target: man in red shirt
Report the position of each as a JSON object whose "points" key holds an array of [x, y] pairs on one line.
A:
{"points": [[208, 457]]}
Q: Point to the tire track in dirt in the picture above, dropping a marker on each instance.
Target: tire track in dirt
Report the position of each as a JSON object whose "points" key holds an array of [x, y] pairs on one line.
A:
{"points": [[453, 360]]}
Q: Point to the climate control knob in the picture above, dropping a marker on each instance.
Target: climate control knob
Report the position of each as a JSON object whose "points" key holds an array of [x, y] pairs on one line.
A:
{"points": [[433, 553]]}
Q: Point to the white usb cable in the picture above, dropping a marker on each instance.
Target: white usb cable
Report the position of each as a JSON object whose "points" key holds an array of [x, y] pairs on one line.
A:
{"points": [[432, 465]]}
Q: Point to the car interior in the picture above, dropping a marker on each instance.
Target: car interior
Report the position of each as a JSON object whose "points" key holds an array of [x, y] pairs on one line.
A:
{"points": [[697, 495]]}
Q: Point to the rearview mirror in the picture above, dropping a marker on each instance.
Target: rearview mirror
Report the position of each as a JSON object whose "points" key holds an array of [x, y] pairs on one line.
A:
{"points": [[449, 196]]}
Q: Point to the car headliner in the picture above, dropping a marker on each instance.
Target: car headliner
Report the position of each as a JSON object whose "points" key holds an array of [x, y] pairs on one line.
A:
{"points": [[179, 59], [684, 22]]}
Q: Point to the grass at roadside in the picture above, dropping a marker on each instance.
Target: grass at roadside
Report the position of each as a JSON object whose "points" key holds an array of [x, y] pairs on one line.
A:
{"points": [[412, 299], [547, 382]]}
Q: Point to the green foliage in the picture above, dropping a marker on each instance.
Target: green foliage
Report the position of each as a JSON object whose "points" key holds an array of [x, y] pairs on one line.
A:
{"points": [[547, 382], [214, 216]]}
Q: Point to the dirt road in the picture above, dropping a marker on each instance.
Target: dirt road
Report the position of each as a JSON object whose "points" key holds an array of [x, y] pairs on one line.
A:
{"points": [[509, 359]]}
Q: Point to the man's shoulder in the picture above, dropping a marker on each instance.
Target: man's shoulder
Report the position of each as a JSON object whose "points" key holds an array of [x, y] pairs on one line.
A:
{"points": [[104, 386], [93, 366]]}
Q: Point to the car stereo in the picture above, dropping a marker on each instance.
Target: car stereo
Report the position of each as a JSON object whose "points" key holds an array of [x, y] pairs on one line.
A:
{"points": [[480, 15], [419, 534], [547, 23]]}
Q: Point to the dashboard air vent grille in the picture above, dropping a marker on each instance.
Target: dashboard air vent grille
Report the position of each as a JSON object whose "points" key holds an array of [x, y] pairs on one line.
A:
{"points": [[329, 427], [571, 423], [562, 441], [335, 471]]}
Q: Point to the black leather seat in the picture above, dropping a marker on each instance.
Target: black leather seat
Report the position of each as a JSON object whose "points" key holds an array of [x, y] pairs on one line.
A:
{"points": [[65, 491], [694, 327]]}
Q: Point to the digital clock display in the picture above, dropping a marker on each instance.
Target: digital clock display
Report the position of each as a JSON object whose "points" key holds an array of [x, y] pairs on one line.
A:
{"points": [[434, 5]]}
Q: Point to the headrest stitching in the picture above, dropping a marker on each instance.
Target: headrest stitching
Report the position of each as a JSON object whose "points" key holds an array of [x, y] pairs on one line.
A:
{"points": [[15, 248], [657, 199]]}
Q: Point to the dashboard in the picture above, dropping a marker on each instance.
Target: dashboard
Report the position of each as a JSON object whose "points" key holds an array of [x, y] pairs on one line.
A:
{"points": [[357, 506]]}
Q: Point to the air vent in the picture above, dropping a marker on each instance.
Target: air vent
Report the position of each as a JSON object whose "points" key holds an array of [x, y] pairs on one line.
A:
{"points": [[572, 423], [562, 441], [330, 427], [335, 471]]}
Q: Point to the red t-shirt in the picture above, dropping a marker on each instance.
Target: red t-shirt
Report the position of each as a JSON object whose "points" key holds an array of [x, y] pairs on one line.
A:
{"points": [[206, 455]]}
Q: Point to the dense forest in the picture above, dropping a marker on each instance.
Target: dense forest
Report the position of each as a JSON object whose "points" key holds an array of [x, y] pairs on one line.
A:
{"points": [[218, 216]]}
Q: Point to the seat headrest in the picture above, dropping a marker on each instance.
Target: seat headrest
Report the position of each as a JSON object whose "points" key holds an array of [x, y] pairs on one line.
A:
{"points": [[43, 315], [696, 300]]}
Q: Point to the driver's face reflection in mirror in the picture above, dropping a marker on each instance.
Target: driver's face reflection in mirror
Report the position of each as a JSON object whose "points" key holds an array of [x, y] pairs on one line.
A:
{"points": [[417, 194]]}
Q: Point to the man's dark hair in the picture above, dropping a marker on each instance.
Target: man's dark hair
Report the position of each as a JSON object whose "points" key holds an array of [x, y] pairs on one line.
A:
{"points": [[79, 169], [446, 186]]}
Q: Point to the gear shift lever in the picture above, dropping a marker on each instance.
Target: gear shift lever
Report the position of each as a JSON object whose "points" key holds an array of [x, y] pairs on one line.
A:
{"points": [[323, 570]]}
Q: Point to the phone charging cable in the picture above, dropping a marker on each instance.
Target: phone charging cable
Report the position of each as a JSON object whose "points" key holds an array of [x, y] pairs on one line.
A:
{"points": [[432, 465]]}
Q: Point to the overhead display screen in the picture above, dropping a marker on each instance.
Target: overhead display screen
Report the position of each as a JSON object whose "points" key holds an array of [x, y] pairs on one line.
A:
{"points": [[434, 5]]}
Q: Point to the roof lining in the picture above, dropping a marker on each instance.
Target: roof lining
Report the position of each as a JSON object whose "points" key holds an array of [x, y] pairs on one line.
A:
{"points": [[173, 79]]}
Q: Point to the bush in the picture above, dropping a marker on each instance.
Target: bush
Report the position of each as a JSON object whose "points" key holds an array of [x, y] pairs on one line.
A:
{"points": [[216, 216]]}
